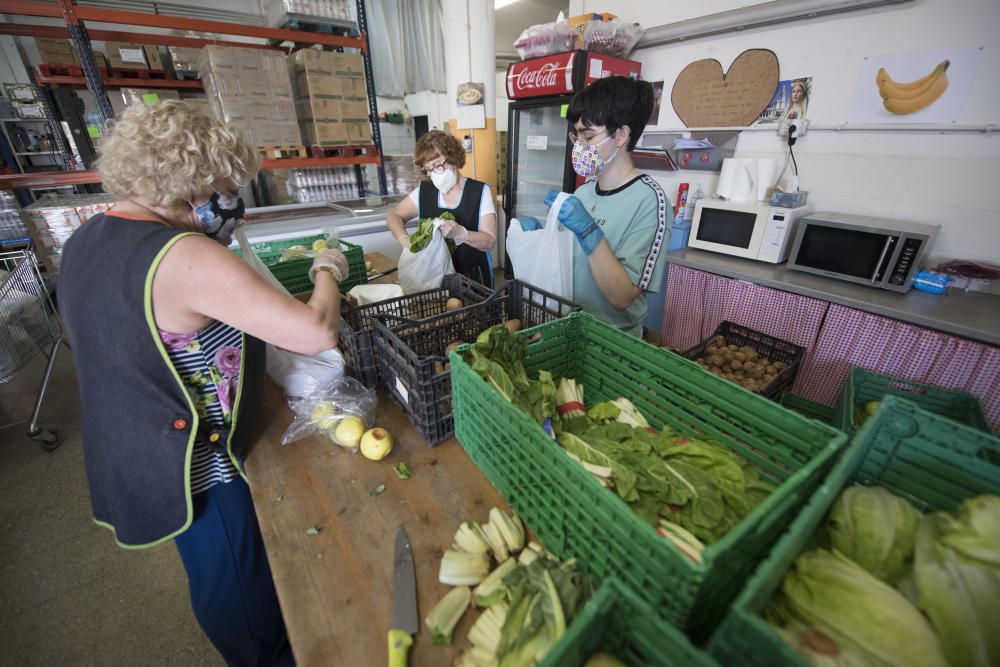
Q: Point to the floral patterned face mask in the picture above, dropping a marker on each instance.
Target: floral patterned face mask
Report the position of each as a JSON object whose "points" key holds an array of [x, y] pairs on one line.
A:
{"points": [[220, 216], [587, 161]]}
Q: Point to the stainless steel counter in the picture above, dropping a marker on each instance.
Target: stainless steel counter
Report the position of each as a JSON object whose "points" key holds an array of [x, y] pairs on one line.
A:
{"points": [[968, 314]]}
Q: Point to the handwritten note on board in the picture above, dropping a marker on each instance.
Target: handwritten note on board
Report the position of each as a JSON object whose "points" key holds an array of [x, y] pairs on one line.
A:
{"points": [[705, 96]]}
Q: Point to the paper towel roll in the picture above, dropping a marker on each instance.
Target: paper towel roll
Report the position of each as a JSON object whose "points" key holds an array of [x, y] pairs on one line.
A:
{"points": [[734, 181], [766, 169]]}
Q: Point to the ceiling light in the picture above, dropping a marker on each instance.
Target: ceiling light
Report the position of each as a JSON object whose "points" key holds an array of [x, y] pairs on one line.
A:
{"points": [[498, 4]]}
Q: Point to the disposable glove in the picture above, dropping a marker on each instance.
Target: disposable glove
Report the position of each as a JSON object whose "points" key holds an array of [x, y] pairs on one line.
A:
{"points": [[455, 232], [404, 241], [334, 260], [574, 216], [530, 223]]}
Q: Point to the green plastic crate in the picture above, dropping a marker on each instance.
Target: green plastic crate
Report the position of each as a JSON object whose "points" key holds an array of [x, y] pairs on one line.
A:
{"points": [[862, 386], [618, 622], [294, 274], [933, 462], [807, 408], [575, 517]]}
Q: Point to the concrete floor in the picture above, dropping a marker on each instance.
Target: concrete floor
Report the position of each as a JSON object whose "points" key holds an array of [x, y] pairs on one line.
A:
{"points": [[68, 594]]}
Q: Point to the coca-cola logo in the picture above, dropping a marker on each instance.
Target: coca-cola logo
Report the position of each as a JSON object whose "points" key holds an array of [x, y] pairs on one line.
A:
{"points": [[542, 77]]}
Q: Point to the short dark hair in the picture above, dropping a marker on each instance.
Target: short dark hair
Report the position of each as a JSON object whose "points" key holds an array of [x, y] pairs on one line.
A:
{"points": [[614, 102]]}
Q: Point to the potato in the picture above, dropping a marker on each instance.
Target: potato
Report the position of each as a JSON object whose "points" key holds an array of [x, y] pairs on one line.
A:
{"points": [[740, 356], [513, 326], [780, 366], [752, 354], [735, 364], [714, 361], [453, 304], [719, 340]]}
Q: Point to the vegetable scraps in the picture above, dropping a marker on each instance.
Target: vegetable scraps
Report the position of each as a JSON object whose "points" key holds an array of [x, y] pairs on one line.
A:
{"points": [[528, 601], [840, 608], [695, 483], [425, 230]]}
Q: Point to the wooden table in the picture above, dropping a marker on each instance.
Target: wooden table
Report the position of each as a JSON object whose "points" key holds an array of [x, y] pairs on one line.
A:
{"points": [[335, 587]]}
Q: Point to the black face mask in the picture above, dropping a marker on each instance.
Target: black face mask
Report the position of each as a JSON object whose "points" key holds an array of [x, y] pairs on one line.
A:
{"points": [[220, 216]]}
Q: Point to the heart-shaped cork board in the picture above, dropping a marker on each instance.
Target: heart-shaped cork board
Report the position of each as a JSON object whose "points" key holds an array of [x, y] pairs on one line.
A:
{"points": [[704, 96]]}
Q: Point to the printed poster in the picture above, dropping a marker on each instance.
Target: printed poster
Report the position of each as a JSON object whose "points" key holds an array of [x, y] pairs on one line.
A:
{"points": [[927, 87]]}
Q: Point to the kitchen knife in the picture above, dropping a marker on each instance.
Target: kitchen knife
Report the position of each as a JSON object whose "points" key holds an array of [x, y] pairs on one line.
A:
{"points": [[405, 619]]}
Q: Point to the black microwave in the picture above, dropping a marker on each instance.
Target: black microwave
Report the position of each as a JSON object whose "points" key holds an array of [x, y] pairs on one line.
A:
{"points": [[861, 249]]}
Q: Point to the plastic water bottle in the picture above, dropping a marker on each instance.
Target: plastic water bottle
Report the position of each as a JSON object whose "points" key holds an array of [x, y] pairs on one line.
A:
{"points": [[692, 200]]}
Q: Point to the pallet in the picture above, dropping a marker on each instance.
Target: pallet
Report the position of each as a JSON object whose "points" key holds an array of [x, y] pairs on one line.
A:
{"points": [[284, 151], [56, 69], [341, 151], [140, 74]]}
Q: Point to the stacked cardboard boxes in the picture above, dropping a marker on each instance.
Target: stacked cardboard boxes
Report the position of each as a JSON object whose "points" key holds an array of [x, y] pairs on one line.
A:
{"points": [[249, 88], [131, 55], [54, 51], [331, 100], [184, 60], [52, 220]]}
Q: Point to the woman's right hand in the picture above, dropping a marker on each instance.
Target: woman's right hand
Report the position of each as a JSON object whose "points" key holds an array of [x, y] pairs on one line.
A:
{"points": [[333, 259]]}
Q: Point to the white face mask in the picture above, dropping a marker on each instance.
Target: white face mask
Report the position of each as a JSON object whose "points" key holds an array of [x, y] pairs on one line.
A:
{"points": [[444, 181]]}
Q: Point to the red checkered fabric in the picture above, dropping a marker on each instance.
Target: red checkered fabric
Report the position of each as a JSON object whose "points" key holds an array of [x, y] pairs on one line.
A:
{"points": [[855, 338]]}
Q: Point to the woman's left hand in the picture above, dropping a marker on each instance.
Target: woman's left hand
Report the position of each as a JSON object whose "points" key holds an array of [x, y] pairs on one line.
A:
{"points": [[454, 231]]}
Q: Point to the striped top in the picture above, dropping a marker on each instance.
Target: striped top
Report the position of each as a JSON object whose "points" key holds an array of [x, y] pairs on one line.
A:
{"points": [[208, 361]]}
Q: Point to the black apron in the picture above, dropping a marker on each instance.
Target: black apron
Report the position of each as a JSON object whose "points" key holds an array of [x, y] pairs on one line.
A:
{"points": [[468, 261]]}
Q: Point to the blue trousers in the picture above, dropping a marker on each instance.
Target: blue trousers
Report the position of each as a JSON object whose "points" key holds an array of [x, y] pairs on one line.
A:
{"points": [[230, 579]]}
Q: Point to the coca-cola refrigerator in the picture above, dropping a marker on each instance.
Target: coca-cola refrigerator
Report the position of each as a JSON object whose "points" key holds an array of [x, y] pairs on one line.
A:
{"points": [[538, 148]]}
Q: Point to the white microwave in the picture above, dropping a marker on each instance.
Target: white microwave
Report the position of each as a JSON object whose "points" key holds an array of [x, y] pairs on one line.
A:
{"points": [[754, 230]]}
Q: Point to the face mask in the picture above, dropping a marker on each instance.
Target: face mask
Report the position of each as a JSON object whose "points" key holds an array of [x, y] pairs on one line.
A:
{"points": [[444, 181], [587, 161], [220, 216]]}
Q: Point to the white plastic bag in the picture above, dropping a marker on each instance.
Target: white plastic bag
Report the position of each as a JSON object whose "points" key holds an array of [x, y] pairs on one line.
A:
{"points": [[298, 374], [424, 270], [544, 257]]}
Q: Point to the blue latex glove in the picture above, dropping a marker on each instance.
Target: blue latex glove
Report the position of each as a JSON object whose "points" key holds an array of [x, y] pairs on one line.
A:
{"points": [[574, 216], [530, 223]]}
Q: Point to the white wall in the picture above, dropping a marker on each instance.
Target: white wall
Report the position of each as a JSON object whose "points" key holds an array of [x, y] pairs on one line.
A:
{"points": [[946, 179]]}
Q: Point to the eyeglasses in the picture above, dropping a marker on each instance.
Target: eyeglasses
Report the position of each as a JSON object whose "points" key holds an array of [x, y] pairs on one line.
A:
{"points": [[436, 169], [574, 137]]}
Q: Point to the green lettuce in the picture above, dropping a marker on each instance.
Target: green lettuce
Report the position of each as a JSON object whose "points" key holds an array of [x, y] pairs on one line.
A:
{"points": [[875, 529], [861, 615], [958, 580]]}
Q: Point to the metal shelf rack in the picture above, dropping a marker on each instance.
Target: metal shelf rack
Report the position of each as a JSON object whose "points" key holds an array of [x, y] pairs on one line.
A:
{"points": [[78, 33]]}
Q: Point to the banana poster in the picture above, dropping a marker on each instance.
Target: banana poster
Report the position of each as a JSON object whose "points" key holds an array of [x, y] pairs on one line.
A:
{"points": [[928, 87]]}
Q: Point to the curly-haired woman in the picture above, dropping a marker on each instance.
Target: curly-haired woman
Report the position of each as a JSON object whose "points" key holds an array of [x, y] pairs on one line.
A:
{"points": [[439, 156], [167, 329]]}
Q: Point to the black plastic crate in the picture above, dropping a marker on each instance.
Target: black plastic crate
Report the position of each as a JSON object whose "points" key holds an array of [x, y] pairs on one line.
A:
{"points": [[769, 347], [356, 328], [413, 366]]}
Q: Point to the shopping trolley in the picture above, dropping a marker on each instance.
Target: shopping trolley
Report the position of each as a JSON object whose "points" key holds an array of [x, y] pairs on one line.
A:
{"points": [[28, 326]]}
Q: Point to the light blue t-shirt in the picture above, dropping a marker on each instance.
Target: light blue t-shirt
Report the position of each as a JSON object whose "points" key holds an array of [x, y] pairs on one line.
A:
{"points": [[635, 219]]}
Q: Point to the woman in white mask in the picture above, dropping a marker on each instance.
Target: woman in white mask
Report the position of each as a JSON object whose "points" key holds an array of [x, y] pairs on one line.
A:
{"points": [[439, 156]]}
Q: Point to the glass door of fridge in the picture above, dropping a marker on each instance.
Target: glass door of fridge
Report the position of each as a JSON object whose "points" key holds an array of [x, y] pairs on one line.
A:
{"points": [[539, 156]]}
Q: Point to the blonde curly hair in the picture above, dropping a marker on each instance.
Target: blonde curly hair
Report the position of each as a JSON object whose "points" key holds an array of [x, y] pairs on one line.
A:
{"points": [[170, 152]]}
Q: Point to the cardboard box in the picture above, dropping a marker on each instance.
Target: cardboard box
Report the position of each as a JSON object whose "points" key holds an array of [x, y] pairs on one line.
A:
{"points": [[54, 51], [184, 58], [126, 55], [352, 110], [325, 132], [23, 93], [348, 64], [358, 132], [354, 89], [152, 53]]}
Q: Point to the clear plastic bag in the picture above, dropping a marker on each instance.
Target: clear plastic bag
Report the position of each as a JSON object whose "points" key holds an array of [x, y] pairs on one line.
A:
{"points": [[331, 239], [614, 38], [324, 410], [545, 39]]}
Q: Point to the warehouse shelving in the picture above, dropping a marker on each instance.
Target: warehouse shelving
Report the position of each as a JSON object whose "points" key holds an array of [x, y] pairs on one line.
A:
{"points": [[80, 35]]}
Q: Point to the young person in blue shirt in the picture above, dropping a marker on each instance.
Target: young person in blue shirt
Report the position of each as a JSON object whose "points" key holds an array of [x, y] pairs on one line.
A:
{"points": [[620, 216]]}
